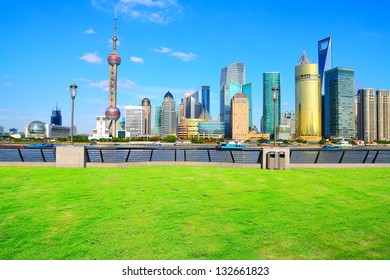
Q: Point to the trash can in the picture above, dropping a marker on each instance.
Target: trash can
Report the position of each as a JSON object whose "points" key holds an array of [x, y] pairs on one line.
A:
{"points": [[282, 160], [271, 160]]}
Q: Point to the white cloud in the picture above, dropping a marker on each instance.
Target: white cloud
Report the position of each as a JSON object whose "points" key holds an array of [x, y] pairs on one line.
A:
{"points": [[181, 55], [184, 56], [159, 11], [285, 104], [90, 31], [121, 83], [137, 59], [91, 58], [126, 84], [162, 50]]}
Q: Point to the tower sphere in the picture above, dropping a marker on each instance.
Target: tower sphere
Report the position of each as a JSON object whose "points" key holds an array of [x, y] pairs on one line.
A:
{"points": [[113, 113], [114, 59], [36, 127]]}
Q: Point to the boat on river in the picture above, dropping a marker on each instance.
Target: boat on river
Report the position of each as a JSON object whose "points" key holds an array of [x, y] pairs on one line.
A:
{"points": [[231, 145]]}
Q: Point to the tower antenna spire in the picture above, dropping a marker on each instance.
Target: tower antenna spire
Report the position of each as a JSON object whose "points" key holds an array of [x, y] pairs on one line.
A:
{"points": [[114, 38]]}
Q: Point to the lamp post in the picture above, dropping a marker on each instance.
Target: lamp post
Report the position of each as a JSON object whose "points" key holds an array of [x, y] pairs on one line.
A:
{"points": [[275, 92], [73, 94]]}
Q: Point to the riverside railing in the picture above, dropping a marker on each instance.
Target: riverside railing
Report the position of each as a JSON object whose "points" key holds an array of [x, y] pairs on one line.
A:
{"points": [[118, 154]]}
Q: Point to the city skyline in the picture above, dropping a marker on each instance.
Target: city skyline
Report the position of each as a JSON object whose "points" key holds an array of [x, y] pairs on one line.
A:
{"points": [[172, 46]]}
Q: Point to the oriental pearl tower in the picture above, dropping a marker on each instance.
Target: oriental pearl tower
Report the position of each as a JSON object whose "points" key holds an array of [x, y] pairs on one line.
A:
{"points": [[112, 112]]}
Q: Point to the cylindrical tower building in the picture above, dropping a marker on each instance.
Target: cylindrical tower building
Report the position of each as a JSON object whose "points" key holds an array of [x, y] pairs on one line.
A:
{"points": [[145, 103], [307, 100]]}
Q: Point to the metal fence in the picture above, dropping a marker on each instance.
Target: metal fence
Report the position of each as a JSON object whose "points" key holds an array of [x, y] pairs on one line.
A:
{"points": [[28, 155], [317, 156], [199, 154], [193, 154]]}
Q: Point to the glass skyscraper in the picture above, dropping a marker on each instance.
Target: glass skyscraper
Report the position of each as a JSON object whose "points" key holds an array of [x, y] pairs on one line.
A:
{"points": [[270, 80], [324, 64], [56, 117], [339, 119], [206, 98], [157, 120], [324, 58], [234, 72]]}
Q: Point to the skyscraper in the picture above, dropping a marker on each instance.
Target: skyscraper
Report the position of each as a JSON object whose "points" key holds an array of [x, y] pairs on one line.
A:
{"points": [[56, 117], [324, 59], [233, 72], [147, 108], [192, 106], [383, 109], [157, 120], [367, 115], [339, 119], [247, 90], [270, 80], [307, 100], [112, 112], [206, 98], [168, 116], [239, 116], [135, 120], [324, 64]]}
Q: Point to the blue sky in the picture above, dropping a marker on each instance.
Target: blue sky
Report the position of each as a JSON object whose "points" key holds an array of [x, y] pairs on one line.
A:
{"points": [[175, 45]]}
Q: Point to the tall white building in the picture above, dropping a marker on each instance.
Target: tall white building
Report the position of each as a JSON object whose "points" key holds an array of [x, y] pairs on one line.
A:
{"points": [[383, 109], [101, 130], [134, 121]]}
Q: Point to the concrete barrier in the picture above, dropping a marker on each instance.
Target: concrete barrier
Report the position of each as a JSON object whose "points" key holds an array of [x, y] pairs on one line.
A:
{"points": [[70, 156]]}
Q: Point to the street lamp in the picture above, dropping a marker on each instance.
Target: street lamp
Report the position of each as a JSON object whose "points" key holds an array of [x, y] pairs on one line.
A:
{"points": [[275, 91], [73, 93]]}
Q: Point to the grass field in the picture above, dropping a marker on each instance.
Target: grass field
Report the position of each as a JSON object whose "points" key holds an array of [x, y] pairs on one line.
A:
{"points": [[194, 213]]}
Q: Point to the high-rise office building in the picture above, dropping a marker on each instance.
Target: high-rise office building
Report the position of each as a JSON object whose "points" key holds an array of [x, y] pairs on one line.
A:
{"points": [[239, 116], [234, 72], [168, 116], [324, 64], [206, 98], [157, 120], [307, 100], [287, 125], [383, 109], [339, 119], [181, 111], [145, 103], [135, 120], [247, 90], [1, 129], [367, 115], [56, 117], [270, 80], [192, 106], [324, 59]]}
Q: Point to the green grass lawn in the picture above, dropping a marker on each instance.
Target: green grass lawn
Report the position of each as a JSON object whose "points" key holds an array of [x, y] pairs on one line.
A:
{"points": [[194, 213]]}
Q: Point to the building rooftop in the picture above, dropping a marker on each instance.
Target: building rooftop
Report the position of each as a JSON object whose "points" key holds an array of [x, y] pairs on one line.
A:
{"points": [[304, 59]]}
